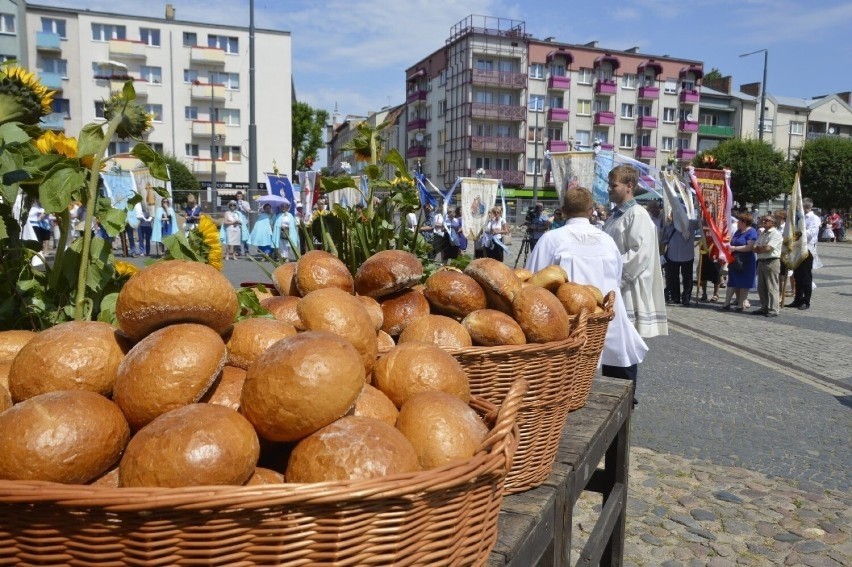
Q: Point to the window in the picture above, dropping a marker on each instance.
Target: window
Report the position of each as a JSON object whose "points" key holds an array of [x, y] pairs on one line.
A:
{"points": [[106, 32], [505, 66], [645, 139], [429, 112], [484, 65], [157, 147], [668, 144], [585, 76], [190, 39], [442, 107], [797, 128], [502, 164], [232, 153], [531, 134], [533, 166], [506, 99], [584, 107], [156, 112], [554, 133], [684, 115], [427, 141], [557, 70], [150, 36], [648, 80], [483, 130], [671, 86], [626, 110], [190, 76], [600, 105], [190, 112], [602, 136], [767, 124], [231, 81], [643, 110], [536, 103], [483, 163], [503, 131], [628, 81], [442, 78], [555, 102], [151, 74], [7, 24], [483, 97], [605, 75], [62, 106], [536, 71], [99, 109], [118, 148], [442, 137], [683, 143], [52, 25], [192, 150], [230, 116], [582, 139], [228, 44], [59, 66], [688, 85], [440, 164], [669, 115], [625, 141]]}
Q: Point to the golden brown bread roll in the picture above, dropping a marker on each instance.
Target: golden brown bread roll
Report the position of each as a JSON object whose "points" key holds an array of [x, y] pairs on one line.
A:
{"points": [[108, 479], [262, 292], [333, 310], [262, 476], [489, 327], [497, 280], [550, 278], [352, 448], [410, 368], [541, 315], [13, 341], [5, 399], [76, 355], [170, 368], [453, 293], [523, 274], [575, 298], [598, 295], [284, 308], [227, 388], [175, 291], [301, 384], [384, 341], [318, 269], [195, 445], [442, 428], [250, 337], [374, 309], [388, 272], [373, 403], [438, 330], [5, 367], [400, 309], [283, 279], [72, 436]]}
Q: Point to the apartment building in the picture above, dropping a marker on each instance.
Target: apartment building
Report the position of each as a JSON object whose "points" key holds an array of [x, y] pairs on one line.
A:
{"points": [[341, 131], [12, 42], [497, 99], [193, 78]]}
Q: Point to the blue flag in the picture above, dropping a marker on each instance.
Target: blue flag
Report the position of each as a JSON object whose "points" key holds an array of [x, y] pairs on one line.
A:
{"points": [[280, 185], [425, 195]]}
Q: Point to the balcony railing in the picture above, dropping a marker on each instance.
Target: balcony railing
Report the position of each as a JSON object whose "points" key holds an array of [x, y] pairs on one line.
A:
{"points": [[53, 121], [718, 131], [416, 124], [687, 126], [508, 177], [605, 118], [647, 122], [649, 92], [685, 154], [53, 81], [48, 41], [557, 145], [557, 114], [126, 48], [207, 55], [689, 97], [416, 95], [204, 128], [646, 152], [206, 91], [499, 78], [607, 147], [201, 165], [498, 111], [415, 151], [605, 88], [558, 82], [497, 144]]}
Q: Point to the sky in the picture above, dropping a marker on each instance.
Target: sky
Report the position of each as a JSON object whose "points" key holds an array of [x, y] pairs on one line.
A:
{"points": [[352, 54]]}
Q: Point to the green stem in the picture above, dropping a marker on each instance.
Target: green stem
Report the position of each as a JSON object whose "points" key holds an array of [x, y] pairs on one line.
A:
{"points": [[94, 175]]}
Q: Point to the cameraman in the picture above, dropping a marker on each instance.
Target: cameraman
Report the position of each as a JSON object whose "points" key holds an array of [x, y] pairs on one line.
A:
{"points": [[537, 223]]}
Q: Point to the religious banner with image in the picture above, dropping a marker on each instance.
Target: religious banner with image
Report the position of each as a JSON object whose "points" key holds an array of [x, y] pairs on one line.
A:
{"points": [[477, 198], [572, 170]]}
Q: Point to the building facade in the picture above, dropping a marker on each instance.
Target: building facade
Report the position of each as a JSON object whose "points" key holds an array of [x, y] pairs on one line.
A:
{"points": [[12, 41], [193, 78]]}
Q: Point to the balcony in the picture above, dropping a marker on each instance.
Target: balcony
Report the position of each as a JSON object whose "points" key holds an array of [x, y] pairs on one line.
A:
{"points": [[685, 154], [207, 91], [647, 122], [499, 78], [52, 81], [416, 124], [689, 97], [557, 145], [415, 151], [207, 55], [205, 128], [48, 41], [508, 177], [649, 93], [127, 49], [557, 82], [646, 152], [498, 111], [557, 114], [498, 144], [687, 126], [414, 96], [607, 147], [201, 165], [53, 121], [605, 118], [716, 131], [140, 87], [605, 88]]}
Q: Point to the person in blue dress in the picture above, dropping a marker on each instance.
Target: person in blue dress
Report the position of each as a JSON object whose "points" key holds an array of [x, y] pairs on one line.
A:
{"points": [[164, 224], [263, 233], [287, 232], [742, 271]]}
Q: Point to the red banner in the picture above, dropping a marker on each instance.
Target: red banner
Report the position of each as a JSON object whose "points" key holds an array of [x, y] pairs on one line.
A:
{"points": [[713, 191]]}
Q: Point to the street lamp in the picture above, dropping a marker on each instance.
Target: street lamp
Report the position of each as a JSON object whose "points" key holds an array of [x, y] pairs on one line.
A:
{"points": [[535, 155], [762, 89]]}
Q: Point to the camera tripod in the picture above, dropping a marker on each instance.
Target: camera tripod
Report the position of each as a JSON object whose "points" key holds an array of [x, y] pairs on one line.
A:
{"points": [[526, 247]]}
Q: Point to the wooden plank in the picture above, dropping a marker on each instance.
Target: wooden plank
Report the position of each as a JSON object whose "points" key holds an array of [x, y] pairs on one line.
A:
{"points": [[597, 542]]}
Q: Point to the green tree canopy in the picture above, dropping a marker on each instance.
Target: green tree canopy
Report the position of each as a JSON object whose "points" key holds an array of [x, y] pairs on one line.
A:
{"points": [[713, 75], [308, 128], [827, 171], [183, 180], [758, 171]]}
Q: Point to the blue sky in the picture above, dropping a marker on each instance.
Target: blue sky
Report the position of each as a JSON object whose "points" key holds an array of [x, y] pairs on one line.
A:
{"points": [[353, 53]]}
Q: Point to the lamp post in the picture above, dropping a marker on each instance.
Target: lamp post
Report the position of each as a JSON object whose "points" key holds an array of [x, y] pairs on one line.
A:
{"points": [[535, 157], [762, 89], [252, 188]]}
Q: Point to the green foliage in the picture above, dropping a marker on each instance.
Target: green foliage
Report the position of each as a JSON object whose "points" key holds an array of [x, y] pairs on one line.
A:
{"points": [[183, 180], [827, 171], [308, 131], [758, 172], [713, 75]]}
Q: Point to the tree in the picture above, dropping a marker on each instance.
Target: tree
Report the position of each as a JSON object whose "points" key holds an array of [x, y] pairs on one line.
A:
{"points": [[713, 75], [758, 171], [308, 128], [183, 181], [827, 171]]}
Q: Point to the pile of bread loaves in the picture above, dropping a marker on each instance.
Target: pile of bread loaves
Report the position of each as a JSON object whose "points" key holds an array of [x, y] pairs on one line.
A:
{"points": [[181, 395]]}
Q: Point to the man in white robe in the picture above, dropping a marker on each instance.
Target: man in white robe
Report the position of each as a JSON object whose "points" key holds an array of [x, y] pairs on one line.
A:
{"points": [[590, 256], [635, 234]]}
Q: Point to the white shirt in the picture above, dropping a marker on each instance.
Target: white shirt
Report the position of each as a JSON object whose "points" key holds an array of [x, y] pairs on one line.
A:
{"points": [[590, 256]]}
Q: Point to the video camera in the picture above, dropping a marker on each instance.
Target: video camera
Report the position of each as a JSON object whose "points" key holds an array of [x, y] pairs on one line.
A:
{"points": [[530, 216]]}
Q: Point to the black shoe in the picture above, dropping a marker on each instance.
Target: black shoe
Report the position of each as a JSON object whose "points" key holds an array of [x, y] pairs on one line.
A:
{"points": [[686, 304], [759, 312], [794, 304], [704, 297], [804, 306], [725, 308], [770, 314]]}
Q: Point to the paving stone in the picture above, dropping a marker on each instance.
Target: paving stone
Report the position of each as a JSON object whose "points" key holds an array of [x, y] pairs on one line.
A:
{"points": [[651, 539], [726, 496], [806, 547], [720, 562], [702, 515], [706, 534], [787, 537]]}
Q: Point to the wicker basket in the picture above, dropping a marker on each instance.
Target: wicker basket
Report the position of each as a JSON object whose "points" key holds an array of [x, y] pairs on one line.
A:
{"points": [[550, 370], [590, 354], [445, 516]]}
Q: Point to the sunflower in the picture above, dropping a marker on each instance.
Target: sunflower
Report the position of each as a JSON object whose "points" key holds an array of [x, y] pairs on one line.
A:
{"points": [[51, 143], [211, 244], [134, 122], [124, 270], [22, 97]]}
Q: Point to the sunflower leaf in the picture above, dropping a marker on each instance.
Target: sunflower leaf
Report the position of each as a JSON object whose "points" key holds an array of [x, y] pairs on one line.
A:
{"points": [[91, 140]]}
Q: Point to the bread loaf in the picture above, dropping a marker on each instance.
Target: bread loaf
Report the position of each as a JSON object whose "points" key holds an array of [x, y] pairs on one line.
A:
{"points": [[388, 272], [453, 293], [250, 337], [318, 269], [400, 309], [416, 367], [541, 315], [437, 330], [497, 280], [489, 327]]}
